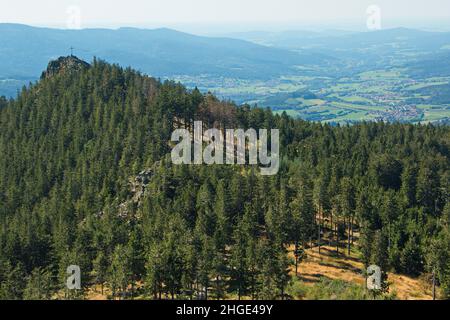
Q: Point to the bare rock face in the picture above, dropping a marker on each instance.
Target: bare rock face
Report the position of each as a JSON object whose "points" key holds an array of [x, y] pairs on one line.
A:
{"points": [[64, 65], [127, 210], [139, 184]]}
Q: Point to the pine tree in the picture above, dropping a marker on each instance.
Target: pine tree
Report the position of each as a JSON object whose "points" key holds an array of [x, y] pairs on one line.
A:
{"points": [[238, 267], [12, 282], [380, 258], [411, 258], [100, 268], [40, 285], [120, 271], [347, 205]]}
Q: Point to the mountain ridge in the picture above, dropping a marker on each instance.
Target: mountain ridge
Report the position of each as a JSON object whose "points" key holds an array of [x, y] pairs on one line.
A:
{"points": [[158, 52]]}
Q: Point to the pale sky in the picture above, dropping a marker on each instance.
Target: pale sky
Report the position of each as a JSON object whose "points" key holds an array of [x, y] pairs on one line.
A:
{"points": [[228, 13]]}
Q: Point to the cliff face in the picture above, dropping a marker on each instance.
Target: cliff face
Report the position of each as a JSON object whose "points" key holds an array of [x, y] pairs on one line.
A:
{"points": [[64, 65]]}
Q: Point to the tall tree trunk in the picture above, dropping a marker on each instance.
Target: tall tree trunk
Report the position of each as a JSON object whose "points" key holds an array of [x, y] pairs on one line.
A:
{"points": [[337, 235], [239, 289], [319, 235], [352, 229], [331, 228], [348, 236], [217, 287], [389, 235], [434, 284]]}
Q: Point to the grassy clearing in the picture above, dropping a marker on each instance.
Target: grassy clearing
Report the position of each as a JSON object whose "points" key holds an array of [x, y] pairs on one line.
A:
{"points": [[317, 270]]}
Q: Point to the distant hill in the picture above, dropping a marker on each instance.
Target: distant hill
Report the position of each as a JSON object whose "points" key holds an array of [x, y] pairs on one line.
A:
{"points": [[432, 65], [287, 39], [345, 40], [25, 51]]}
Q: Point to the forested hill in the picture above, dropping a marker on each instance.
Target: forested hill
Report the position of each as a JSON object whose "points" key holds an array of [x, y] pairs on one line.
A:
{"points": [[160, 52], [73, 144]]}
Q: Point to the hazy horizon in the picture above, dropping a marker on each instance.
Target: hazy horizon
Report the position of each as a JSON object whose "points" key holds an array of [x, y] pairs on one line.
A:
{"points": [[207, 17], [223, 30]]}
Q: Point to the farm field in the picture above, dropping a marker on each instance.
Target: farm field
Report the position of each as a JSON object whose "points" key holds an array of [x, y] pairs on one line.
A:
{"points": [[380, 95]]}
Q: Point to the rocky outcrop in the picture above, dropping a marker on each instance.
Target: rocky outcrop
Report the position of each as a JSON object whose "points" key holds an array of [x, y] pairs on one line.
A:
{"points": [[139, 184], [127, 210], [64, 65]]}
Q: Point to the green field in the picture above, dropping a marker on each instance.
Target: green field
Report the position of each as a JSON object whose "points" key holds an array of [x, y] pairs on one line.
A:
{"points": [[378, 95]]}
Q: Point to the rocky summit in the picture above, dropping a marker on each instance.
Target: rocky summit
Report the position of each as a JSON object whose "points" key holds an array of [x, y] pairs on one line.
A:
{"points": [[63, 65]]}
